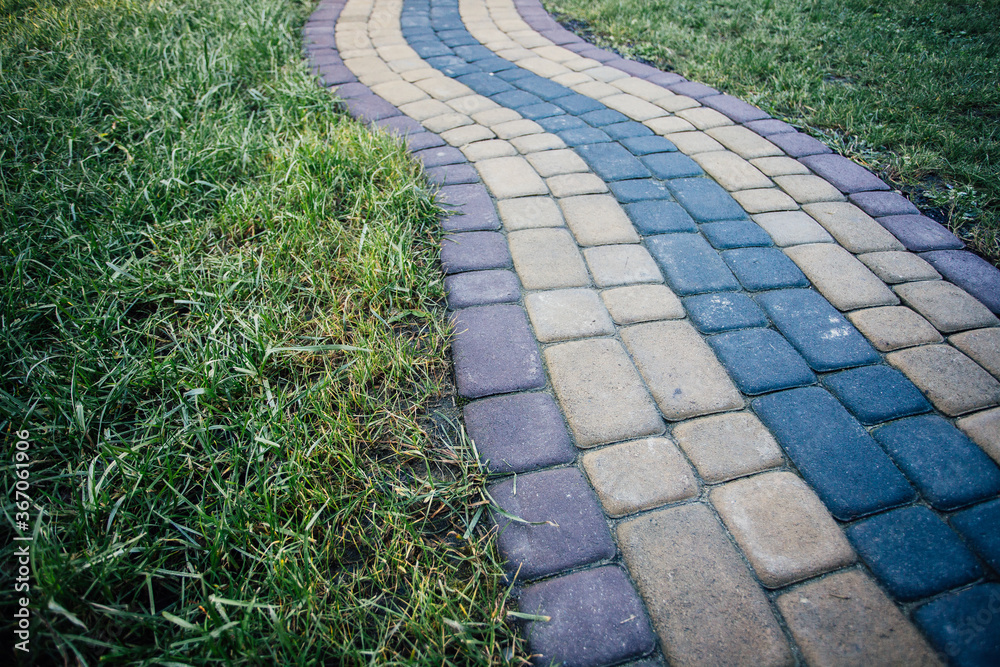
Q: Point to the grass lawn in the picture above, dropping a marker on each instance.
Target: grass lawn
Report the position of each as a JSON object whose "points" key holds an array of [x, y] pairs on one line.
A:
{"points": [[222, 328], [911, 89]]}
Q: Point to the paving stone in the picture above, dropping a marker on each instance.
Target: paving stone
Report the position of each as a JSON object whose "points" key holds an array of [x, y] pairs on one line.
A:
{"points": [[913, 553], [878, 204], [496, 116], [724, 311], [668, 125], [537, 111], [822, 336], [517, 128], [603, 117], [530, 212], [571, 185], [642, 189], [965, 626], [462, 136], [398, 93], [731, 171], [693, 142], [954, 383], [948, 468], [982, 345], [894, 327], [788, 228], [622, 131], [875, 394], [659, 217], [452, 174], [704, 199], [978, 525], [761, 361], [481, 288], [639, 475], [846, 282], [705, 605], [601, 393], [336, 75], [446, 121], [845, 175], [769, 126], [946, 306], [596, 618], [972, 273], [485, 150], [485, 84], [474, 251], [690, 265], [612, 162], [416, 141], [984, 429], [808, 189], [724, 447], [595, 89], [557, 162], [743, 142], [763, 269], [642, 303], [547, 259], [693, 89], [425, 109], [518, 433], [472, 208], [764, 200], [735, 234], [646, 145], [370, 109], [733, 107], [570, 530], [797, 144], [671, 165], [633, 107], [442, 88], [534, 143], [597, 220], [494, 351], [782, 527], [614, 265], [577, 104], [567, 314], [351, 90], [833, 452], [516, 100], [779, 166], [852, 227], [845, 619], [920, 234], [682, 373], [894, 266], [402, 126], [704, 118], [511, 177]]}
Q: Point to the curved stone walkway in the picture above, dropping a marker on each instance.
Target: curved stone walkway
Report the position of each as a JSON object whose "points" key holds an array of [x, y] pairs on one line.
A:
{"points": [[743, 396]]}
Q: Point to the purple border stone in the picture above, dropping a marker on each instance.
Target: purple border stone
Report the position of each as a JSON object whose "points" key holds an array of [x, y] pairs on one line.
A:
{"points": [[452, 174], [920, 234], [474, 251], [972, 273], [797, 144], [845, 175], [482, 288], [769, 126], [693, 89], [334, 75], [879, 204], [472, 206], [495, 351], [400, 125], [371, 108], [519, 433], [735, 108]]}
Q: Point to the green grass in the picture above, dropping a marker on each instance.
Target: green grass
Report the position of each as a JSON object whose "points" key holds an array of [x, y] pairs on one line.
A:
{"points": [[911, 89], [222, 324]]}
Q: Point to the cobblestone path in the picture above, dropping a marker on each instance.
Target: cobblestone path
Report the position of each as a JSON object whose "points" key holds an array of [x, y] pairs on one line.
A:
{"points": [[745, 396]]}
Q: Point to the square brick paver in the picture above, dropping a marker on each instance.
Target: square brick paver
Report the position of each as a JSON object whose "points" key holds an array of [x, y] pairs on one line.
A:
{"points": [[789, 228], [547, 258], [511, 177], [566, 314], [894, 327], [613, 265], [947, 307], [894, 266], [724, 447], [519, 432], [853, 228], [842, 279], [982, 345], [642, 303], [954, 383], [745, 143], [529, 212], [597, 220]]}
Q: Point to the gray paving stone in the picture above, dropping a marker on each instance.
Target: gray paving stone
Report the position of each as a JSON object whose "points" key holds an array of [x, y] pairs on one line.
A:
{"points": [[518, 433], [789, 228], [724, 311], [642, 303], [690, 264], [894, 327], [845, 175], [569, 185], [597, 220], [474, 251], [898, 267], [972, 273], [735, 234], [735, 108], [612, 162], [764, 200], [705, 200], [481, 288], [494, 351], [529, 213], [920, 234], [557, 162], [954, 383], [763, 269], [613, 265], [808, 189], [946, 306], [842, 279], [567, 314], [547, 259], [732, 171], [724, 447], [797, 144]]}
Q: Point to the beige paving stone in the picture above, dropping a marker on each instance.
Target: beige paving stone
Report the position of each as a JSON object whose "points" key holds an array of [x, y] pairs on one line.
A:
{"points": [[443, 88], [675, 103], [414, 75], [779, 166], [782, 527], [668, 125], [542, 67], [894, 327], [446, 121], [398, 93], [704, 604], [895, 266], [462, 136], [613, 265], [954, 383], [554, 53], [682, 373], [472, 104], [842, 279], [948, 307], [788, 228], [532, 143], [704, 118], [497, 116], [845, 619], [600, 392], [595, 89], [983, 428], [744, 142], [641, 88], [395, 52], [633, 107], [486, 150], [566, 314], [694, 142], [569, 185], [557, 163], [597, 220], [530, 212], [642, 303], [375, 78], [808, 189], [424, 109], [724, 447], [517, 128], [853, 228], [731, 171], [547, 259], [639, 475], [764, 200], [570, 79], [511, 177], [982, 345], [579, 64], [606, 74]]}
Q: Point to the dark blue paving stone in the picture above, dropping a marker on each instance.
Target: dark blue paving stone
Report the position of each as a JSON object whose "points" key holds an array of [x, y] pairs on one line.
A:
{"points": [[401, 126], [484, 84], [817, 330], [456, 70], [543, 110], [514, 74], [920, 234], [351, 90], [421, 140], [620, 131], [471, 206], [577, 104], [970, 272], [848, 470], [442, 62], [735, 234], [690, 264], [560, 123], [575, 534], [494, 351], [596, 619], [515, 99], [705, 199], [452, 174], [648, 144], [797, 144], [735, 108], [843, 174], [543, 88], [519, 433], [769, 126], [875, 394], [879, 204], [672, 165], [582, 136], [603, 117], [612, 162], [724, 311], [457, 38], [760, 360], [660, 217], [948, 468], [980, 526], [764, 268], [913, 553], [965, 626], [429, 50], [692, 89], [442, 155], [638, 190], [371, 108], [481, 288], [474, 251]]}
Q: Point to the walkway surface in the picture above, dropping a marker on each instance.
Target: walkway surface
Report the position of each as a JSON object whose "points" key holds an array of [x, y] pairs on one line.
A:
{"points": [[744, 394]]}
